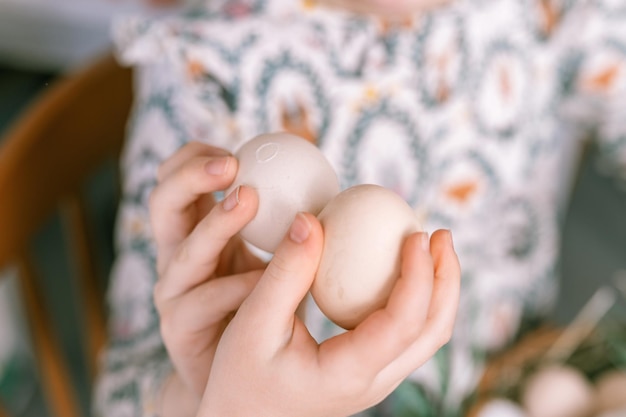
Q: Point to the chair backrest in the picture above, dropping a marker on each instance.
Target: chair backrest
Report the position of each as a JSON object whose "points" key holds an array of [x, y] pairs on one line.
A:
{"points": [[73, 127]]}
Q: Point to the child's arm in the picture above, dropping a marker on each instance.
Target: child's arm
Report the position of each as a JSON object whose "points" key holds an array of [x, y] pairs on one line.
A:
{"points": [[267, 364]]}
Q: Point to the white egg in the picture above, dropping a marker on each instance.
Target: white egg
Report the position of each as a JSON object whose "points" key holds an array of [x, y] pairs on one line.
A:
{"points": [[290, 175], [501, 407], [364, 230], [558, 391]]}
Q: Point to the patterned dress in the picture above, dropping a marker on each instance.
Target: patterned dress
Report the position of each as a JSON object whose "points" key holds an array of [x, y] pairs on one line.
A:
{"points": [[475, 113]]}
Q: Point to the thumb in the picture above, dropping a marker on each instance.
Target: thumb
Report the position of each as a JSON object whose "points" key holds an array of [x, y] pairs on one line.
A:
{"points": [[287, 279]]}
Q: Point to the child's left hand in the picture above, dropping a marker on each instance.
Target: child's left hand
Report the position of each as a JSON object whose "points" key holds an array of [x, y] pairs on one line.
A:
{"points": [[204, 269]]}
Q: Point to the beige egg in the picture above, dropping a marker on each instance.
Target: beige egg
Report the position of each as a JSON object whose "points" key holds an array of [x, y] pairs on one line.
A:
{"points": [[611, 391], [364, 230], [500, 407], [558, 391], [290, 175]]}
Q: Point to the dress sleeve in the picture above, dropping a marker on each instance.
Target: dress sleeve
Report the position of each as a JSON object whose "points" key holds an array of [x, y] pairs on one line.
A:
{"points": [[595, 66], [169, 111]]}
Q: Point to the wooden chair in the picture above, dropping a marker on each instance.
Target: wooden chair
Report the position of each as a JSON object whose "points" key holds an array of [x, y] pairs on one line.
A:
{"points": [[75, 125]]}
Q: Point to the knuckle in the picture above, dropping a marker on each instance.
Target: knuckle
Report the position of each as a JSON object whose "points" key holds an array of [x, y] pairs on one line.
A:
{"points": [[280, 268], [356, 382], [355, 387], [416, 327], [215, 229], [409, 333], [210, 293], [161, 266], [162, 294], [157, 295], [195, 146], [190, 174], [181, 255], [168, 327], [174, 328], [405, 328]]}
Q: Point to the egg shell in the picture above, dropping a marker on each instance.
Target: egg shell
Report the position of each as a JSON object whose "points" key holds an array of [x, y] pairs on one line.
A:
{"points": [[558, 391], [611, 391], [365, 228], [501, 407], [290, 175]]}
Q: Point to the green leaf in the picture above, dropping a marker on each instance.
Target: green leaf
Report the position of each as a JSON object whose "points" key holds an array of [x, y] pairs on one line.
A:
{"points": [[410, 401]]}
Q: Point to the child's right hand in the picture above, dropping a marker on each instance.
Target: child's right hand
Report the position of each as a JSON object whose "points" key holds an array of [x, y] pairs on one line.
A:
{"points": [[267, 364], [205, 271]]}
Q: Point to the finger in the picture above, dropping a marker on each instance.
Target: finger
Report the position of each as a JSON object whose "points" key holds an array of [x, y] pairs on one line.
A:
{"points": [[286, 280], [441, 313], [181, 157], [184, 154], [205, 305], [172, 203], [446, 292], [388, 332], [197, 257]]}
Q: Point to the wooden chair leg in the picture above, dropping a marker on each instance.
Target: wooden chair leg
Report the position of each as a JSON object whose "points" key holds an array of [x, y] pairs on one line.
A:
{"points": [[60, 398], [91, 303]]}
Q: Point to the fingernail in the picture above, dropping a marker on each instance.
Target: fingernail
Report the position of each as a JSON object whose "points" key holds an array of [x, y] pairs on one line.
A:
{"points": [[231, 201], [450, 237], [217, 166], [424, 241], [300, 229]]}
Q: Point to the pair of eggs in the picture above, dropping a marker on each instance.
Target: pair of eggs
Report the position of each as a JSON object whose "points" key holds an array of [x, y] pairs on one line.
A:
{"points": [[560, 390], [364, 226]]}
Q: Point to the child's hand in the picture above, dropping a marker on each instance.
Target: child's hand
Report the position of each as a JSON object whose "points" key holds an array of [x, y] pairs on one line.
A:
{"points": [[204, 273], [267, 364]]}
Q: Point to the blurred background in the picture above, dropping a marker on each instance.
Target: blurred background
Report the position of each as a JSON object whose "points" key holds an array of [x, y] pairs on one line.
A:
{"points": [[41, 40]]}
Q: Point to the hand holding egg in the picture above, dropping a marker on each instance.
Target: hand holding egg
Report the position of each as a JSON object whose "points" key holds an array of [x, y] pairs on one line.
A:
{"points": [[365, 226], [289, 372]]}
